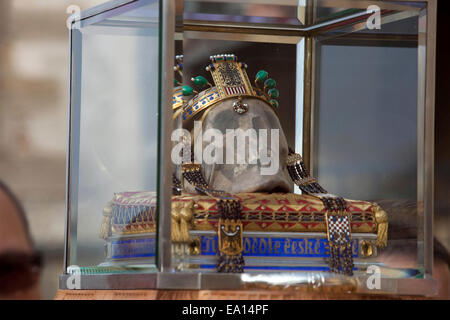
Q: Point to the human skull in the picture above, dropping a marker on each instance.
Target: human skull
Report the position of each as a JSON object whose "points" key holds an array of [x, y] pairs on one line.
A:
{"points": [[244, 113]]}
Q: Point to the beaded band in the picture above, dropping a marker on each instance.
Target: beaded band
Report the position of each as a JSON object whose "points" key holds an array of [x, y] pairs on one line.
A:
{"points": [[337, 217], [230, 228], [176, 185], [230, 234]]}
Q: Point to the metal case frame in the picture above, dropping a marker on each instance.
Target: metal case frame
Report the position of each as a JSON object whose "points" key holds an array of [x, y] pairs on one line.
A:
{"points": [[171, 16]]}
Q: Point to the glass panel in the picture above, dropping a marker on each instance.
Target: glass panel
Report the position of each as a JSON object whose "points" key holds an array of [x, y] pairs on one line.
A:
{"points": [[114, 140], [261, 12], [293, 13], [281, 58], [364, 80], [368, 127], [353, 97], [323, 14], [329, 10]]}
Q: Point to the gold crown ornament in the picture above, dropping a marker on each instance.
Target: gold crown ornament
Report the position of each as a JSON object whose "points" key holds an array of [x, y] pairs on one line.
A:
{"points": [[231, 82]]}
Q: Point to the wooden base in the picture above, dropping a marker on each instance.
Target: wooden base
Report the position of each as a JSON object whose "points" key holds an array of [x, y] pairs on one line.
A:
{"points": [[217, 295]]}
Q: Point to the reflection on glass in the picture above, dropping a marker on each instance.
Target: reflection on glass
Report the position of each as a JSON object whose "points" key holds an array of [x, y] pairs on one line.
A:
{"points": [[361, 85], [258, 12], [366, 125], [115, 158]]}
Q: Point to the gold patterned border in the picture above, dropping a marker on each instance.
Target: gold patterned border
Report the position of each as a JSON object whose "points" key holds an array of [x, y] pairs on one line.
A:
{"points": [[177, 98], [268, 213]]}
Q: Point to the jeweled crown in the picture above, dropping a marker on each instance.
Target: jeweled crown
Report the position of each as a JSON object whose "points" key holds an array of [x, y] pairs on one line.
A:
{"points": [[230, 81]]}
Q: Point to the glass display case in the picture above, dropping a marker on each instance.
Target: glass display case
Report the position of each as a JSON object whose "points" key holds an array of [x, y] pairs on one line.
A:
{"points": [[346, 86]]}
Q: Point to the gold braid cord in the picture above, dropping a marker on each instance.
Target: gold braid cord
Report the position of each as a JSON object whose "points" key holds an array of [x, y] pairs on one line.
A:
{"points": [[382, 226], [182, 216]]}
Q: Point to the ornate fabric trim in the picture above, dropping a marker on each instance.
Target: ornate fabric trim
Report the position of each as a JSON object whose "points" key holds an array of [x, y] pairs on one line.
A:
{"points": [[259, 212], [129, 213]]}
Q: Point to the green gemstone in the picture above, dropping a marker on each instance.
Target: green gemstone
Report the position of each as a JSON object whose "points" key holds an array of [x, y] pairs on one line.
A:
{"points": [[175, 82], [262, 75], [273, 93], [187, 91], [274, 103], [270, 83], [200, 81]]}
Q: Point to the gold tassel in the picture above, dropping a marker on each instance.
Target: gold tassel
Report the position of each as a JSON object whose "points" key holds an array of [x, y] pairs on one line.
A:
{"points": [[182, 215], [186, 216], [382, 226], [105, 229], [175, 234], [184, 231]]}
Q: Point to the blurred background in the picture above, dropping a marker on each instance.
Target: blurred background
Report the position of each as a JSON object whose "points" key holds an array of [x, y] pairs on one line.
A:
{"points": [[33, 109], [33, 120]]}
